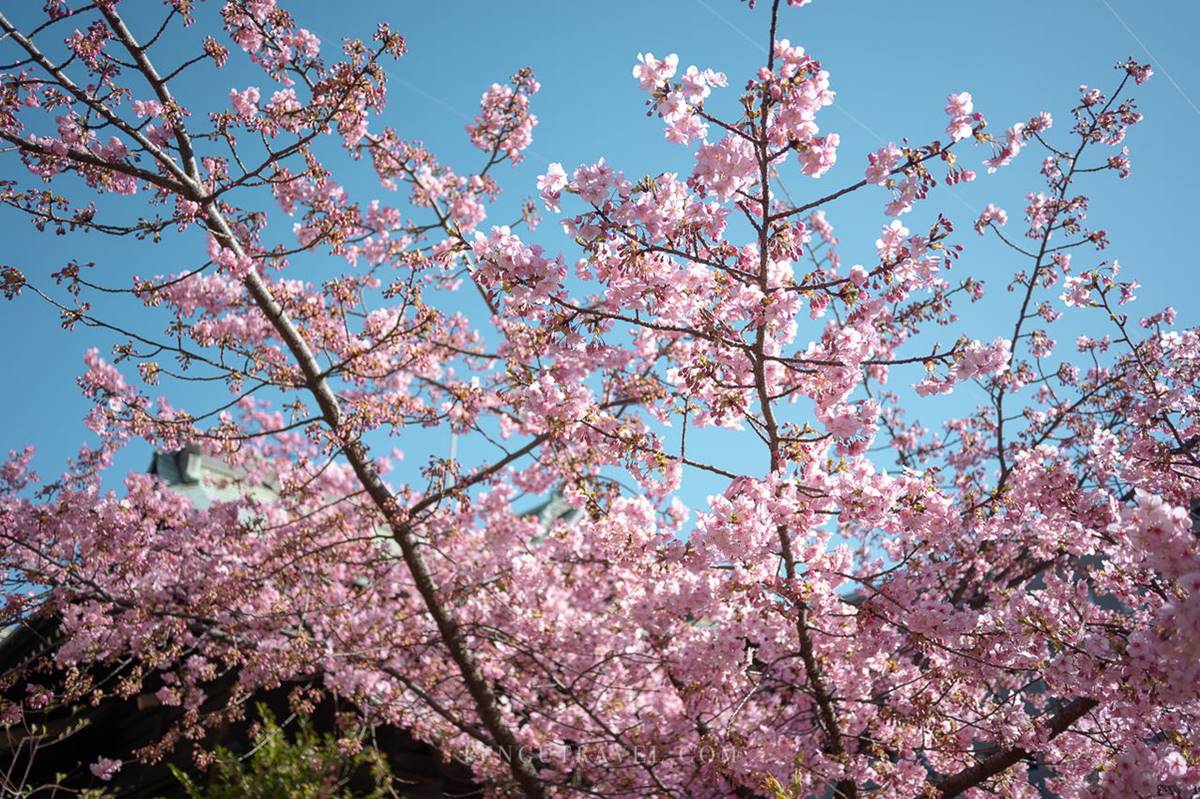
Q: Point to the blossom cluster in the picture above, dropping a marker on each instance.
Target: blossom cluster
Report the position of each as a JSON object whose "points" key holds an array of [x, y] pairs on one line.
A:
{"points": [[871, 604]]}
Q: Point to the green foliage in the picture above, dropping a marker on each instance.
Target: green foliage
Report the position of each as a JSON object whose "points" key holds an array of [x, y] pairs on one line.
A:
{"points": [[298, 763], [777, 790]]}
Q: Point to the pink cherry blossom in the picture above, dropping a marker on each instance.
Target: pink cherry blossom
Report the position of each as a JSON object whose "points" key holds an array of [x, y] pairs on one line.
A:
{"points": [[991, 214], [690, 519], [552, 185], [1013, 141], [960, 108], [105, 768], [882, 162], [820, 155], [651, 71], [245, 103], [505, 125]]}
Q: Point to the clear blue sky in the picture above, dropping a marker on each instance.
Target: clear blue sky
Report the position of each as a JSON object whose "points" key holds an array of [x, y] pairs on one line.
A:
{"points": [[892, 65]]}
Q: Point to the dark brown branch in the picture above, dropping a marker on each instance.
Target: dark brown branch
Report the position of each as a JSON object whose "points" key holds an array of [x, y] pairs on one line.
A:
{"points": [[1004, 759]]}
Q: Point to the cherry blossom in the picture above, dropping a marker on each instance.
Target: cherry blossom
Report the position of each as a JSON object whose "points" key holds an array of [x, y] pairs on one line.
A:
{"points": [[651, 71], [882, 162], [883, 597], [960, 108], [105, 768], [991, 214]]}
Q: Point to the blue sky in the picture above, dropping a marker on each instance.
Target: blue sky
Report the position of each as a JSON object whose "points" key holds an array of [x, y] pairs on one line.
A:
{"points": [[891, 64]]}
